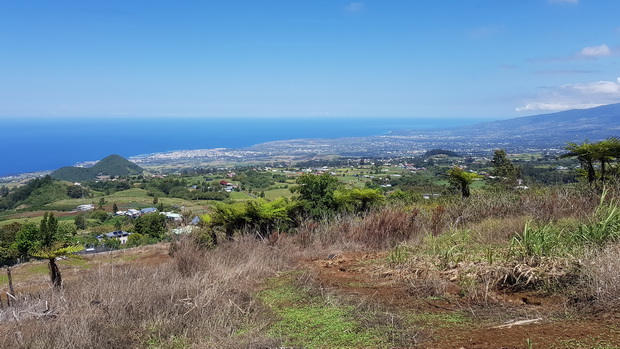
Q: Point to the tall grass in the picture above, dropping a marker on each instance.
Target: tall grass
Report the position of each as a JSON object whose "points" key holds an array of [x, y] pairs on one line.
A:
{"points": [[491, 217], [549, 240]]}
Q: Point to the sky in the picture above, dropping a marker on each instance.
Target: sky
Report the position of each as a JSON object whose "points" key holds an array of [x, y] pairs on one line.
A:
{"points": [[307, 58]]}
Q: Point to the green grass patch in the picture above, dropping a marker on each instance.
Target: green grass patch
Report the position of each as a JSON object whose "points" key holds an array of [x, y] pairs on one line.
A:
{"points": [[273, 194], [308, 321], [134, 193], [439, 320], [39, 269], [240, 196], [75, 263]]}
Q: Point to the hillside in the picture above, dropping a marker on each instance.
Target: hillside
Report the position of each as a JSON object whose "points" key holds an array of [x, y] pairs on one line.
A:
{"points": [[113, 165], [571, 125], [530, 133]]}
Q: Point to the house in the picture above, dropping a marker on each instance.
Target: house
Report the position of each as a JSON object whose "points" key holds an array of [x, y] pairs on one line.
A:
{"points": [[87, 207], [195, 221], [133, 213], [118, 235], [183, 230], [173, 216], [148, 210]]}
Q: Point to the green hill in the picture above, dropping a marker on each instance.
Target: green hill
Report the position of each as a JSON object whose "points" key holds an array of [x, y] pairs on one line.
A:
{"points": [[113, 165]]}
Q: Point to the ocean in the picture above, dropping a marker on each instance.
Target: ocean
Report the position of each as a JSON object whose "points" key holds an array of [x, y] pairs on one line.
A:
{"points": [[37, 144]]}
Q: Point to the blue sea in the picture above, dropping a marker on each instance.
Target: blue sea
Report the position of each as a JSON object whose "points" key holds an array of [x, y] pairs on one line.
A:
{"points": [[36, 144]]}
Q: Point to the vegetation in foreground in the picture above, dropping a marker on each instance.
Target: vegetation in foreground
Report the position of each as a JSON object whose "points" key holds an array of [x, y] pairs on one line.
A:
{"points": [[376, 273]]}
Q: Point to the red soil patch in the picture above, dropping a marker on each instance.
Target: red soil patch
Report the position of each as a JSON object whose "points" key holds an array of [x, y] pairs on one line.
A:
{"points": [[34, 214], [367, 276]]}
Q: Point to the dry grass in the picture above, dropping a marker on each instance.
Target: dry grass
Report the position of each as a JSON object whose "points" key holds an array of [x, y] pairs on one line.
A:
{"points": [[377, 229], [134, 306], [601, 280]]}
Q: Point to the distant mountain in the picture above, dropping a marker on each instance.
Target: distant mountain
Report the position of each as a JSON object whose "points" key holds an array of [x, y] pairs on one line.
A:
{"points": [[529, 133], [113, 165], [572, 125]]}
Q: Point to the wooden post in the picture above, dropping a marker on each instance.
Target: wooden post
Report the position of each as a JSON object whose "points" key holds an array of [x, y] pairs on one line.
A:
{"points": [[8, 274]]}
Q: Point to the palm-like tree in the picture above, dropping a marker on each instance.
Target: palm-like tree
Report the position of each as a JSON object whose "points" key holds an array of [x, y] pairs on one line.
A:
{"points": [[51, 253], [461, 179], [604, 152], [52, 246], [587, 153], [584, 152]]}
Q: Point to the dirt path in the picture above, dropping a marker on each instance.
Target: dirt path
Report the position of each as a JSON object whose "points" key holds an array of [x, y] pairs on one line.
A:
{"points": [[452, 321]]}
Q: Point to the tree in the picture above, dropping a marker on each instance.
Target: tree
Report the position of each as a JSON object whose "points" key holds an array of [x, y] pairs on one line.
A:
{"points": [[357, 200], [135, 240], [155, 200], [26, 240], [50, 243], [231, 217], [604, 152], [77, 191], [8, 250], [112, 243], [316, 194], [265, 217], [153, 225], [99, 215], [505, 171], [101, 203], [80, 221], [53, 252], [587, 153], [461, 179], [584, 153], [114, 208], [48, 230]]}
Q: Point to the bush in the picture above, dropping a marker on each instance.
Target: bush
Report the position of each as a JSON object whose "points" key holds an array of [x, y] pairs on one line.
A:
{"points": [[99, 215]]}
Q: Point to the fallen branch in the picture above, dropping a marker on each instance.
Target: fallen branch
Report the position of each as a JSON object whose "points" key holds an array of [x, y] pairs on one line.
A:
{"points": [[511, 323]]}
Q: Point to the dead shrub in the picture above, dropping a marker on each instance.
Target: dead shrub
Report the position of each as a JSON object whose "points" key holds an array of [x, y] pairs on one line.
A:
{"points": [[380, 228], [429, 286], [187, 255], [600, 280]]}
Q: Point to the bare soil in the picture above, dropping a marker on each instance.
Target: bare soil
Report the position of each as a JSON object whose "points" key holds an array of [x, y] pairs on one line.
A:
{"points": [[367, 277]]}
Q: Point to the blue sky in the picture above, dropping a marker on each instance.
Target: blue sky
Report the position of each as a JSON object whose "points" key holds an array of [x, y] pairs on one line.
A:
{"points": [[305, 58]]}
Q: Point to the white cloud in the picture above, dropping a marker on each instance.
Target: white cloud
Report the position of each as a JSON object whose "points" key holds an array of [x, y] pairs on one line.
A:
{"points": [[355, 7], [595, 51], [540, 106], [575, 96]]}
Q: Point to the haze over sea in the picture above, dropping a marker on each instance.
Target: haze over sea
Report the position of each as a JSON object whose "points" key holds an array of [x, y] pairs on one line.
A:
{"points": [[36, 144]]}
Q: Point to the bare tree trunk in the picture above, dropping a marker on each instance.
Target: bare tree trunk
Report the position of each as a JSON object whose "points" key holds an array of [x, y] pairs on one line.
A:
{"points": [[55, 273], [10, 277]]}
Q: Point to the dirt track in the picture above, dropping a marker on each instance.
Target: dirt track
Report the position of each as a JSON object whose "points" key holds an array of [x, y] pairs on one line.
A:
{"points": [[366, 277]]}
